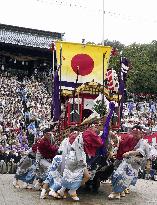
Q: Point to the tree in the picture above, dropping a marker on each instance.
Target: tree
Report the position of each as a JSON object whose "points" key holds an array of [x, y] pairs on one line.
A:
{"points": [[100, 108], [143, 74]]}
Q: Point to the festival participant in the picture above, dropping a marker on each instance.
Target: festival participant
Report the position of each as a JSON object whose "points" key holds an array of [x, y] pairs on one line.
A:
{"points": [[40, 162], [53, 178], [75, 171], [45, 152], [53, 175], [23, 169], [45, 147], [133, 151], [75, 164]]}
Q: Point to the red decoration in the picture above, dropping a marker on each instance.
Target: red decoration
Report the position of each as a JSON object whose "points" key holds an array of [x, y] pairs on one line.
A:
{"points": [[114, 52], [82, 64]]}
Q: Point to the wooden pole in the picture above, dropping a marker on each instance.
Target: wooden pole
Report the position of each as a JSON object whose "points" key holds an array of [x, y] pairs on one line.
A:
{"points": [[103, 78]]}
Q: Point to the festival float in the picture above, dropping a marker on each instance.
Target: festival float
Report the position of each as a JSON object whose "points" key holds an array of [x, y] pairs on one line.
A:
{"points": [[86, 91], [84, 85]]}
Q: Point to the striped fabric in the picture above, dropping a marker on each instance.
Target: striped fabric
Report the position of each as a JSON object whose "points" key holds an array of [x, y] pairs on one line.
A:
{"points": [[124, 65], [109, 79], [112, 80]]}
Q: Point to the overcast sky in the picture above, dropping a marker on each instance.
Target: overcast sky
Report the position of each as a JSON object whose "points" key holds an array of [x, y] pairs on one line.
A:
{"points": [[127, 21]]}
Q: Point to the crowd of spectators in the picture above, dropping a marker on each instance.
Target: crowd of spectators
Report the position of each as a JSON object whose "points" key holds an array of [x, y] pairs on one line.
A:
{"points": [[140, 112], [25, 110]]}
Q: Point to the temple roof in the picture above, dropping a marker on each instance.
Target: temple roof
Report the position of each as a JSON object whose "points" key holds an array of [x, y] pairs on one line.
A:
{"points": [[27, 37]]}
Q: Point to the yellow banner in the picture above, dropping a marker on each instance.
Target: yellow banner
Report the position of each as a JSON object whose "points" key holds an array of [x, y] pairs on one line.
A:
{"points": [[86, 60]]}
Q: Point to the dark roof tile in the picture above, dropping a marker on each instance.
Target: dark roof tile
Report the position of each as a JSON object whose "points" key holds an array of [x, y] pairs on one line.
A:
{"points": [[27, 37]]}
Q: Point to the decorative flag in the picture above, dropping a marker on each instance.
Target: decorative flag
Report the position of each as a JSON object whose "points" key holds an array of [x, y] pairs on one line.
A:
{"points": [[112, 80], [107, 123], [124, 67], [109, 79], [87, 60], [56, 98], [106, 127], [123, 74]]}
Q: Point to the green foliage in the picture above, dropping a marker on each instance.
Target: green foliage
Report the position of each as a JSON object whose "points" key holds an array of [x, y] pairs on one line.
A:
{"points": [[100, 108], [142, 75]]}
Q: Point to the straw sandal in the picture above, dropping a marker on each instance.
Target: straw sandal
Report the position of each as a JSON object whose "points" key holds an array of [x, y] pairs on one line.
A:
{"points": [[114, 195]]}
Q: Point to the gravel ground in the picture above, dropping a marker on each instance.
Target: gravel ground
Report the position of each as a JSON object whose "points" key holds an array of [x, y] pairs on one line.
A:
{"points": [[145, 193]]}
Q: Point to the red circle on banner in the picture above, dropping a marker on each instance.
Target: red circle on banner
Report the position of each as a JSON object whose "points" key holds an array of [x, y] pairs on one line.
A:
{"points": [[83, 64]]}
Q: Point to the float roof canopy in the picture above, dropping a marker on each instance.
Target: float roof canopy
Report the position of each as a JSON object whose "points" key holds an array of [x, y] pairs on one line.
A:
{"points": [[91, 88]]}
